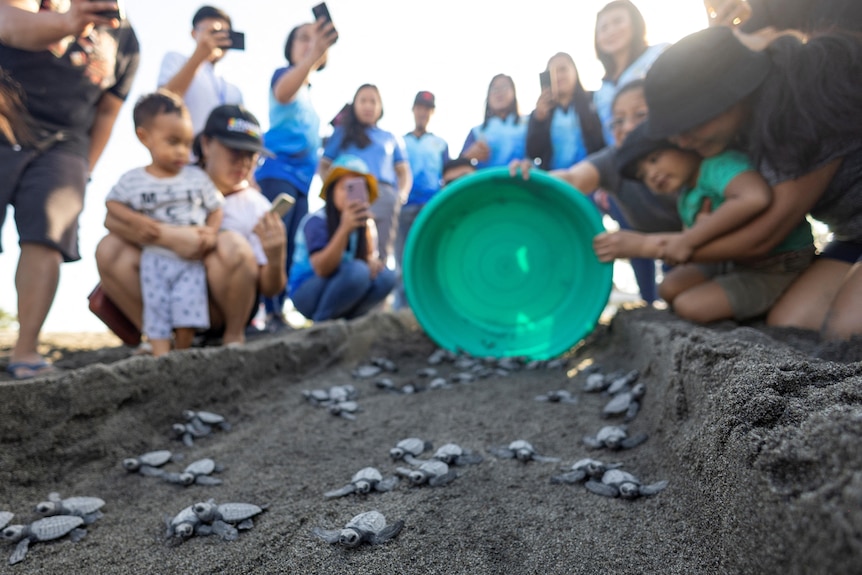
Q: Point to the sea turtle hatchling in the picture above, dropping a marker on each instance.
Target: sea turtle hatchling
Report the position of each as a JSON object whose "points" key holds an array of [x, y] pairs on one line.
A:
{"points": [[614, 437], [88, 508], [365, 480], [625, 403], [433, 472], [183, 525], [454, 454], [366, 371], [408, 449], [384, 363], [345, 409], [618, 483], [188, 432], [584, 469], [226, 518], [623, 382], [558, 396], [198, 472], [45, 529], [368, 527], [207, 418], [522, 451], [149, 463]]}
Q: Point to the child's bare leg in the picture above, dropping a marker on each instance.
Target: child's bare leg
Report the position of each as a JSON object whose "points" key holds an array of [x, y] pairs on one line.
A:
{"points": [[160, 346], [183, 337], [680, 279], [703, 303]]}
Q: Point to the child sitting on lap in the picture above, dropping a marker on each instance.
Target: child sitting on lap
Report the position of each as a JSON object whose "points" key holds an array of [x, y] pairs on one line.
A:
{"points": [[729, 186], [174, 290]]}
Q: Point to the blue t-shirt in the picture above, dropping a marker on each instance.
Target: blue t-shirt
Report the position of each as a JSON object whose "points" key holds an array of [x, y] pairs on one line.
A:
{"points": [[507, 140], [381, 155], [567, 140], [426, 154], [294, 137], [312, 235], [603, 98]]}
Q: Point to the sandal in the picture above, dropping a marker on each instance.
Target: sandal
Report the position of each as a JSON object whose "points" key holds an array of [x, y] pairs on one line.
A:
{"points": [[21, 370]]}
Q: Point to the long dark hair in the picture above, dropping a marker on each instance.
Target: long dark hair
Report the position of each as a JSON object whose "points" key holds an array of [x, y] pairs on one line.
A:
{"points": [[513, 107], [638, 44], [333, 220], [355, 132], [810, 97], [14, 126], [591, 125]]}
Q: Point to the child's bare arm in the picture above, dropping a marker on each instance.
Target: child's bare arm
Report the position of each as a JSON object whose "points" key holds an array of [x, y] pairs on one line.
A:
{"points": [[214, 219], [745, 197], [629, 244]]}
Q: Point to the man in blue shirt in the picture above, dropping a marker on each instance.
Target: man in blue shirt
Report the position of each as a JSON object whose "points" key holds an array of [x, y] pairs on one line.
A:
{"points": [[427, 154]]}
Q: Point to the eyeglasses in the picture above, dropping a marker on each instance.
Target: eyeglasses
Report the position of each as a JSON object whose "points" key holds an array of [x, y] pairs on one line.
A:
{"points": [[635, 119]]}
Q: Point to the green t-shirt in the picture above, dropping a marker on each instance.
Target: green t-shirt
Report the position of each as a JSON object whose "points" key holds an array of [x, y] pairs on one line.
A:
{"points": [[715, 175]]}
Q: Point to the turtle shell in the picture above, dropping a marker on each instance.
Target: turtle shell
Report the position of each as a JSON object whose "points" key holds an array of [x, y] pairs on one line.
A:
{"points": [[369, 474], [369, 522], [53, 527], [235, 512]]}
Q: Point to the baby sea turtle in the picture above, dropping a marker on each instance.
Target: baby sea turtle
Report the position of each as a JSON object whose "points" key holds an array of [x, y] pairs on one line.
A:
{"points": [[620, 383], [408, 449], [226, 518], [462, 377], [584, 469], [522, 451], [618, 483], [345, 409], [439, 383], [433, 472], [199, 472], [454, 454], [384, 363], [207, 418], [364, 481], [149, 463], [188, 432], [183, 525], [625, 403], [614, 437], [368, 527], [440, 355], [596, 382], [428, 372], [558, 396], [366, 371], [44, 529], [85, 507]]}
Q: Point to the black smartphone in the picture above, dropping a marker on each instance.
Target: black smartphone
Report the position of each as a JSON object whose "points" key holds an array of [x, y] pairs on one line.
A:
{"points": [[282, 204], [545, 79], [237, 40], [357, 190], [118, 14], [321, 11]]}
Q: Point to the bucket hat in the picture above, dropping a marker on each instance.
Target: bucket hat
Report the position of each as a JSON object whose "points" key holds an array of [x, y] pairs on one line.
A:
{"points": [[698, 78], [349, 165]]}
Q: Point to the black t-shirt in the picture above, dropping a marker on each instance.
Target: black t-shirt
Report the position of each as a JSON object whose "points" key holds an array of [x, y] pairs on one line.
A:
{"points": [[805, 15], [63, 84]]}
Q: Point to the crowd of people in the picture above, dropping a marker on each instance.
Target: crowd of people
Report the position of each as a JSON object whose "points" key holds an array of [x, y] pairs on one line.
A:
{"points": [[709, 153]]}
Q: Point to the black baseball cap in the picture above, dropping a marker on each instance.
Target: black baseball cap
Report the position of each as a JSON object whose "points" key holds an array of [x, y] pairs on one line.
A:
{"points": [[424, 98], [236, 128]]}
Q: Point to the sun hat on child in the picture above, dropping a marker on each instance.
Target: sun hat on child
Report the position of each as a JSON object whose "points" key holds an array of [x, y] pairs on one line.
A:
{"points": [[349, 165], [700, 77]]}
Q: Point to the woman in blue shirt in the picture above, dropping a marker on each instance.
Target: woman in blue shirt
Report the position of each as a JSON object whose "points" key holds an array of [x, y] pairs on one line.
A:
{"points": [[294, 136], [384, 153], [502, 136], [564, 127]]}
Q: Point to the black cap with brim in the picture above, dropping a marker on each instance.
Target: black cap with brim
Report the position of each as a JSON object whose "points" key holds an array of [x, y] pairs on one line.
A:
{"points": [[236, 128], [700, 77], [637, 145]]}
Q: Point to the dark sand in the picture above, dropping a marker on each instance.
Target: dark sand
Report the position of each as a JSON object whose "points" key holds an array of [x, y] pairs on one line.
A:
{"points": [[757, 434]]}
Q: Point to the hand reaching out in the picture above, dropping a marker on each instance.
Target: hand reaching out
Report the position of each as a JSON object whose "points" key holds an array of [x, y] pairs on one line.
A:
{"points": [[479, 151], [270, 230]]}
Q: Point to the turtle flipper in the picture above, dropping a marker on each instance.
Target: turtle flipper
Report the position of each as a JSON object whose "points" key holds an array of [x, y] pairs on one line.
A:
{"points": [[602, 489], [245, 524], [20, 551], [188, 440], [633, 441], [469, 459], [204, 530], [591, 442], [225, 530], [387, 533], [328, 535], [545, 459], [403, 471], [77, 534], [347, 415], [387, 484], [410, 460], [151, 471], [173, 477], [346, 490], [653, 488], [570, 478], [439, 480], [632, 411], [90, 518]]}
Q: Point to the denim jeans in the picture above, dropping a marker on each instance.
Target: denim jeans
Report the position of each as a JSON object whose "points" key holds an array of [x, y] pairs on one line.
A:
{"points": [[348, 293]]}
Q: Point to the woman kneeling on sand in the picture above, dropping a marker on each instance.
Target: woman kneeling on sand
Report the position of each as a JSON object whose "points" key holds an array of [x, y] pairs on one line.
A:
{"points": [[249, 257]]}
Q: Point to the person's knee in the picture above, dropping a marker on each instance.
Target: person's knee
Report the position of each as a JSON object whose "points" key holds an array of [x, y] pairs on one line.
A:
{"points": [[386, 279], [689, 307], [231, 255], [114, 253], [668, 290]]}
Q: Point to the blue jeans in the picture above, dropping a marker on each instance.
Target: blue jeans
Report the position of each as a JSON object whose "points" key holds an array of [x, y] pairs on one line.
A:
{"points": [[348, 293], [271, 187]]}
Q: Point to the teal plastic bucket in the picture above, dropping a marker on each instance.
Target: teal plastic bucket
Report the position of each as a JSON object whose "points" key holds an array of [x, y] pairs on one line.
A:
{"points": [[498, 266]]}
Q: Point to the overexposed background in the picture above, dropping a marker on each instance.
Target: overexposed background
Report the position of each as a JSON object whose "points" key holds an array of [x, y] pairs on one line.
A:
{"points": [[452, 48]]}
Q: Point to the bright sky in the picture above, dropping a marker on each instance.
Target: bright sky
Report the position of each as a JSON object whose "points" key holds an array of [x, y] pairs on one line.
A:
{"points": [[450, 47]]}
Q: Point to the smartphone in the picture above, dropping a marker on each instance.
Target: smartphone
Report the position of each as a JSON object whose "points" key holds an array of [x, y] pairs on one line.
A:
{"points": [[118, 14], [357, 190], [545, 79], [321, 11], [282, 204], [237, 40]]}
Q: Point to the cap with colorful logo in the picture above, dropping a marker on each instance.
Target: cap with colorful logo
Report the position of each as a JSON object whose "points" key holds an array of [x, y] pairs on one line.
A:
{"points": [[236, 128]]}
